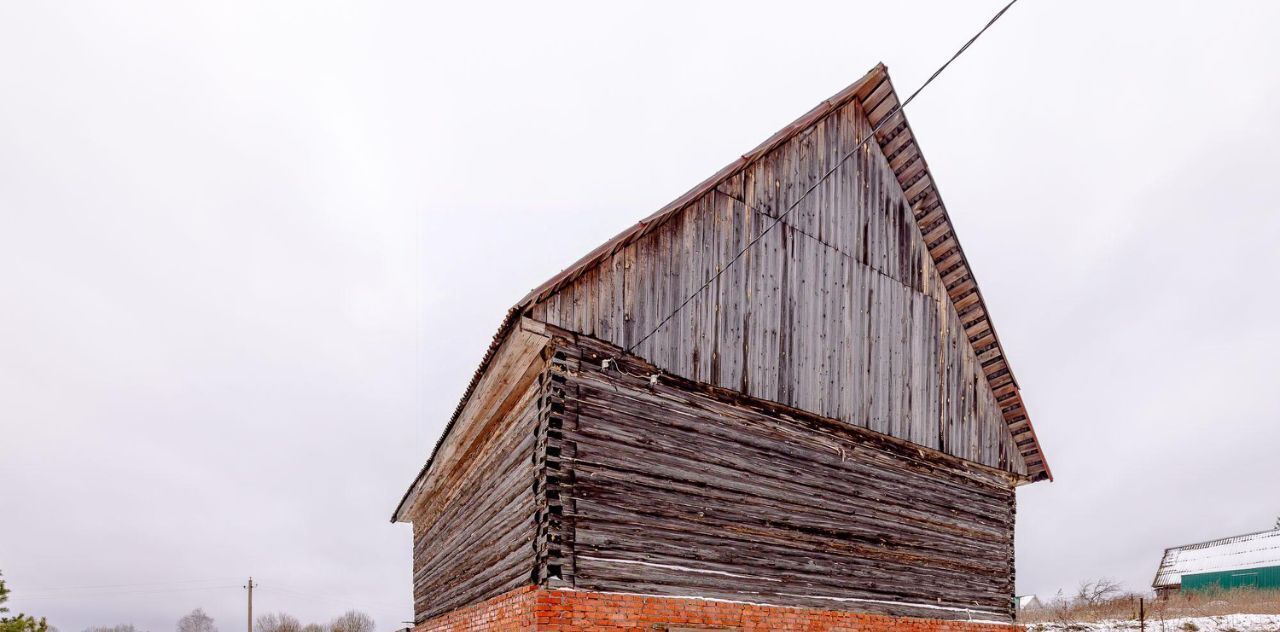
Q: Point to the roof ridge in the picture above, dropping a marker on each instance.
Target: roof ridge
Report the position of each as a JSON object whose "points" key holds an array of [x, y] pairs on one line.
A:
{"points": [[1224, 540], [898, 144], [880, 72]]}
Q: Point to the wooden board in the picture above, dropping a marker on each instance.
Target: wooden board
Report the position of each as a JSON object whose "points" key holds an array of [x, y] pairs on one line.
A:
{"points": [[589, 477], [474, 516], [684, 489], [839, 310]]}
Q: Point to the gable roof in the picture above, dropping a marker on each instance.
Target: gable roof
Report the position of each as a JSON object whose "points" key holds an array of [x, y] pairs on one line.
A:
{"points": [[880, 102], [898, 143], [1252, 550]]}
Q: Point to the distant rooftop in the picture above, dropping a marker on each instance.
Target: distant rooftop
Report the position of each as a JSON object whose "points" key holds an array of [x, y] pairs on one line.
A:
{"points": [[1252, 550]]}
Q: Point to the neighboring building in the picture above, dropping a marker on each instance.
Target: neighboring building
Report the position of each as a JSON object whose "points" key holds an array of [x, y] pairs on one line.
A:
{"points": [[1029, 602], [828, 435], [1243, 561]]}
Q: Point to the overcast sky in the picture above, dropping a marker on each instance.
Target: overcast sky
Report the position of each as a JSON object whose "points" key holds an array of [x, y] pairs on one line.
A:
{"points": [[250, 254]]}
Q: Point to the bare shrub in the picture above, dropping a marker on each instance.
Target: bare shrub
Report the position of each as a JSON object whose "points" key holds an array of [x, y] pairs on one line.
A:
{"points": [[1098, 591], [197, 621], [1063, 613], [277, 622], [352, 621]]}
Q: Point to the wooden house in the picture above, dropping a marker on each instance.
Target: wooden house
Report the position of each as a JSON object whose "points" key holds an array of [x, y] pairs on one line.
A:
{"points": [[822, 431], [1242, 562]]}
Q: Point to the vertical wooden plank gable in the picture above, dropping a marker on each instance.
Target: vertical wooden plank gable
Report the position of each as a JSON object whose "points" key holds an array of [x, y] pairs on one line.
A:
{"points": [[839, 310]]}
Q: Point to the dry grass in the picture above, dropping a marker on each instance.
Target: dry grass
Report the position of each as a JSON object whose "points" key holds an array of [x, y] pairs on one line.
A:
{"points": [[1125, 608]]}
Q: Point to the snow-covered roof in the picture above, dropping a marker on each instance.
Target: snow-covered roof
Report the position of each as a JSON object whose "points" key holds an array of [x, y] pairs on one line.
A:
{"points": [[1251, 550]]}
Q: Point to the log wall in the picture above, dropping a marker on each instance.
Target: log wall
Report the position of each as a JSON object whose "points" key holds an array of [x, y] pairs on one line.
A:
{"points": [[682, 489], [475, 529], [839, 311]]}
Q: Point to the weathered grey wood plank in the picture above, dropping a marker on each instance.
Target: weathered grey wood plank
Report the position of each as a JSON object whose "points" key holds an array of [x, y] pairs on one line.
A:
{"points": [[683, 489], [838, 311]]}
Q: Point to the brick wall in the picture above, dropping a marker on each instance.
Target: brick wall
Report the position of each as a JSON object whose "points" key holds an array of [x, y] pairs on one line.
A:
{"points": [[509, 611], [530, 608]]}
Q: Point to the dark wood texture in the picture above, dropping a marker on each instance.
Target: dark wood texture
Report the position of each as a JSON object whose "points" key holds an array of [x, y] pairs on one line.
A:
{"points": [[569, 474], [840, 310], [896, 143], [684, 489], [475, 518], [832, 423]]}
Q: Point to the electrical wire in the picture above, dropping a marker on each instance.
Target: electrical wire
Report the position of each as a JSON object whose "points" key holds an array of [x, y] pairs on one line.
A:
{"points": [[130, 585], [794, 205], [181, 585], [306, 593], [117, 593], [334, 601]]}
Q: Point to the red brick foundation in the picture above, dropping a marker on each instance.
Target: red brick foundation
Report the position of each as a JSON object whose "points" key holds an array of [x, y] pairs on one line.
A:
{"points": [[531, 608], [510, 611]]}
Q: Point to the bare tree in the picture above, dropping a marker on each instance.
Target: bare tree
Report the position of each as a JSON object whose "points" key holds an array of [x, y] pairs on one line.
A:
{"points": [[314, 627], [277, 622], [1092, 593], [352, 621], [197, 621], [122, 627]]}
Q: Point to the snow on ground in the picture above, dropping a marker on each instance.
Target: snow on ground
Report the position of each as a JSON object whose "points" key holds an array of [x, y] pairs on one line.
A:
{"points": [[1224, 623]]}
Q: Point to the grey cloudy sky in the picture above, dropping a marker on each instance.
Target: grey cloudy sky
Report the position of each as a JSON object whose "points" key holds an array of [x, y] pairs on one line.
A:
{"points": [[250, 254]]}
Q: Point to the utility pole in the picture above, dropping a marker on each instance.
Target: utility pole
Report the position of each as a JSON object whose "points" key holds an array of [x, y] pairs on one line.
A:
{"points": [[250, 587]]}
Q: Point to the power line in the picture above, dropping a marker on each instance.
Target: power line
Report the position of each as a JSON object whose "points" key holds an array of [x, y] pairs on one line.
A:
{"points": [[117, 593], [960, 52], [306, 593], [334, 601], [130, 585], [189, 585], [778, 220], [249, 618]]}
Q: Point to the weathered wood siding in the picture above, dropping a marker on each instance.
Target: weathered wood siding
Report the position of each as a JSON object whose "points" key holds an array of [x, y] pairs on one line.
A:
{"points": [[681, 489], [475, 527], [839, 311]]}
